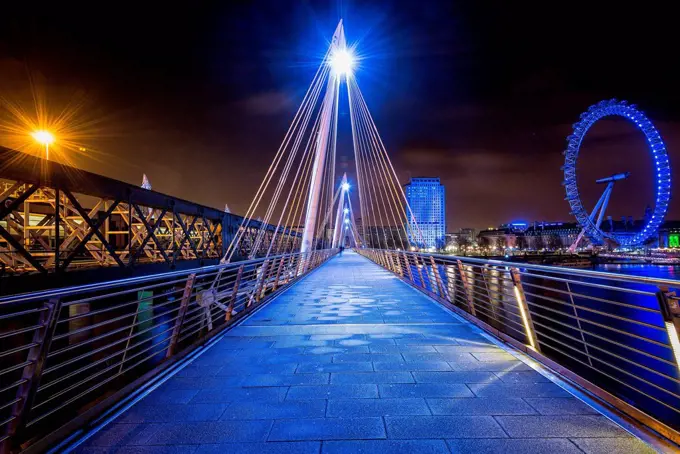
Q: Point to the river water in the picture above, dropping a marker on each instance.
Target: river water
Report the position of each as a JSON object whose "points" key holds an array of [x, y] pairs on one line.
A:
{"points": [[657, 271]]}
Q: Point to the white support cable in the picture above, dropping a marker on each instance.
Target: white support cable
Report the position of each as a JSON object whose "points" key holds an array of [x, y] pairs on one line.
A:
{"points": [[299, 203], [396, 204], [320, 75], [352, 220], [364, 194], [284, 175], [305, 153], [382, 146], [382, 187], [356, 161], [282, 180], [368, 184]]}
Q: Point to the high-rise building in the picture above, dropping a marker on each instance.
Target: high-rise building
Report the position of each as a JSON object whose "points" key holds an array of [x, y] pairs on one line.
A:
{"points": [[427, 199]]}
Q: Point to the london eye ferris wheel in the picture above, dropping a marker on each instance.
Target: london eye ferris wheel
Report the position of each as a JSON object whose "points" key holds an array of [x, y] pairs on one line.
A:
{"points": [[590, 222]]}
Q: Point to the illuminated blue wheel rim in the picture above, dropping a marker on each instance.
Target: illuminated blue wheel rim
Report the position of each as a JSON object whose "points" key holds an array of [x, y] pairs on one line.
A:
{"points": [[657, 150]]}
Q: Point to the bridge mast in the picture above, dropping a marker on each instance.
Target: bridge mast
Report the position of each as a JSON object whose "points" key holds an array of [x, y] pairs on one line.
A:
{"points": [[322, 144], [337, 231]]}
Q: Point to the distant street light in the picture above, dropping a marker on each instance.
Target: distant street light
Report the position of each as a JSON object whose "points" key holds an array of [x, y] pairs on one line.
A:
{"points": [[45, 138], [345, 187]]}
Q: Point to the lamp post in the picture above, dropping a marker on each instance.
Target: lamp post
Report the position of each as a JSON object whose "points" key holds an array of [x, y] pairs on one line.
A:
{"points": [[45, 138]]}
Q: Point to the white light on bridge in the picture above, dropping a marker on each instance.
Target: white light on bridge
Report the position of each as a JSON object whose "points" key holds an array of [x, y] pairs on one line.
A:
{"points": [[345, 187], [342, 61]]}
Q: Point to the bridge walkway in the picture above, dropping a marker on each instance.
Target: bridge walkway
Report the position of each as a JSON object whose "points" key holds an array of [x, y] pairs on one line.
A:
{"points": [[351, 359]]}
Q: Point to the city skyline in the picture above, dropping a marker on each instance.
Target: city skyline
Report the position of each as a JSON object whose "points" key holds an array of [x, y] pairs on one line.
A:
{"points": [[481, 135]]}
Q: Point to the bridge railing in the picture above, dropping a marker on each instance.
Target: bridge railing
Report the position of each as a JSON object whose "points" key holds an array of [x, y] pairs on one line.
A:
{"points": [[616, 335], [65, 351]]}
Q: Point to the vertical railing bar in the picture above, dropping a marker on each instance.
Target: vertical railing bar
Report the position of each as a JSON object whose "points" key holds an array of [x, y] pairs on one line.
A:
{"points": [[184, 305], [32, 373]]}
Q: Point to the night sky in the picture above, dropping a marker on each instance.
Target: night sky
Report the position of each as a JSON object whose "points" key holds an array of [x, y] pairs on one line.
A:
{"points": [[479, 93]]}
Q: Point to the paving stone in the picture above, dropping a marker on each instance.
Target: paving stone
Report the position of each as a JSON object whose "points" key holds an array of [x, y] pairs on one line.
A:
{"points": [[455, 377], [612, 445], [271, 447], [411, 427], [276, 410], [285, 380], [366, 357], [413, 366], [285, 368], [328, 429], [385, 447], [497, 389], [387, 348], [123, 434], [425, 390], [351, 391], [498, 356], [334, 367], [202, 382], [345, 358], [490, 366], [226, 395], [170, 396], [522, 377], [560, 406], [480, 406], [343, 408], [514, 446], [482, 348], [172, 413], [371, 377], [210, 432], [559, 426], [175, 449]]}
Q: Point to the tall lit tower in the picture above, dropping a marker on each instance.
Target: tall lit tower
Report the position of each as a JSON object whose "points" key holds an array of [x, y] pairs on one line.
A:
{"points": [[340, 60], [427, 198]]}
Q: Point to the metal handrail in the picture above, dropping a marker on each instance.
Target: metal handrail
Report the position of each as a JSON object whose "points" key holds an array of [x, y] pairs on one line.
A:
{"points": [[102, 337], [617, 334]]}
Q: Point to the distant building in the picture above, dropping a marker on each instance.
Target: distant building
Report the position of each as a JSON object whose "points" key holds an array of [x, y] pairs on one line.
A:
{"points": [[427, 199], [461, 240]]}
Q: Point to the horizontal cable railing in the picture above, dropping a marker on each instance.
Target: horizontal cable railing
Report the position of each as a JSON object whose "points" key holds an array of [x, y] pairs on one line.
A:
{"points": [[64, 351], [617, 332]]}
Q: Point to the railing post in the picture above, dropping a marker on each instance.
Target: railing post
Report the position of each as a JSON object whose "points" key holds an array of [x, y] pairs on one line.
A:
{"points": [[420, 271], [32, 373], [670, 309], [390, 262], [234, 294], [260, 284], [408, 268], [524, 309], [442, 291], [278, 272], [466, 286], [183, 306]]}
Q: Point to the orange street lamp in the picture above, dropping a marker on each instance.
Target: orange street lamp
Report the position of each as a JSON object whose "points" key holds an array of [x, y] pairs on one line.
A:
{"points": [[45, 138]]}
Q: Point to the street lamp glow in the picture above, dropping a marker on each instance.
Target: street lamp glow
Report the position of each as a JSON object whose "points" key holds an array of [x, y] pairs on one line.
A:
{"points": [[45, 138], [346, 210], [345, 187], [342, 61]]}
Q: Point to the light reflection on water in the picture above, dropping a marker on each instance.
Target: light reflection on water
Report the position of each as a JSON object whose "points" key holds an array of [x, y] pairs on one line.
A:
{"points": [[657, 271]]}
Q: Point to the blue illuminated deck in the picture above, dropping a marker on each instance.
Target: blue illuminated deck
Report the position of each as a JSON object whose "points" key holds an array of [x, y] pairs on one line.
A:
{"points": [[351, 359]]}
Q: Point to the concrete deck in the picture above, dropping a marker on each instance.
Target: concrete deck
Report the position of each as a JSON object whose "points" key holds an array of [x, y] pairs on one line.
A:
{"points": [[351, 359]]}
